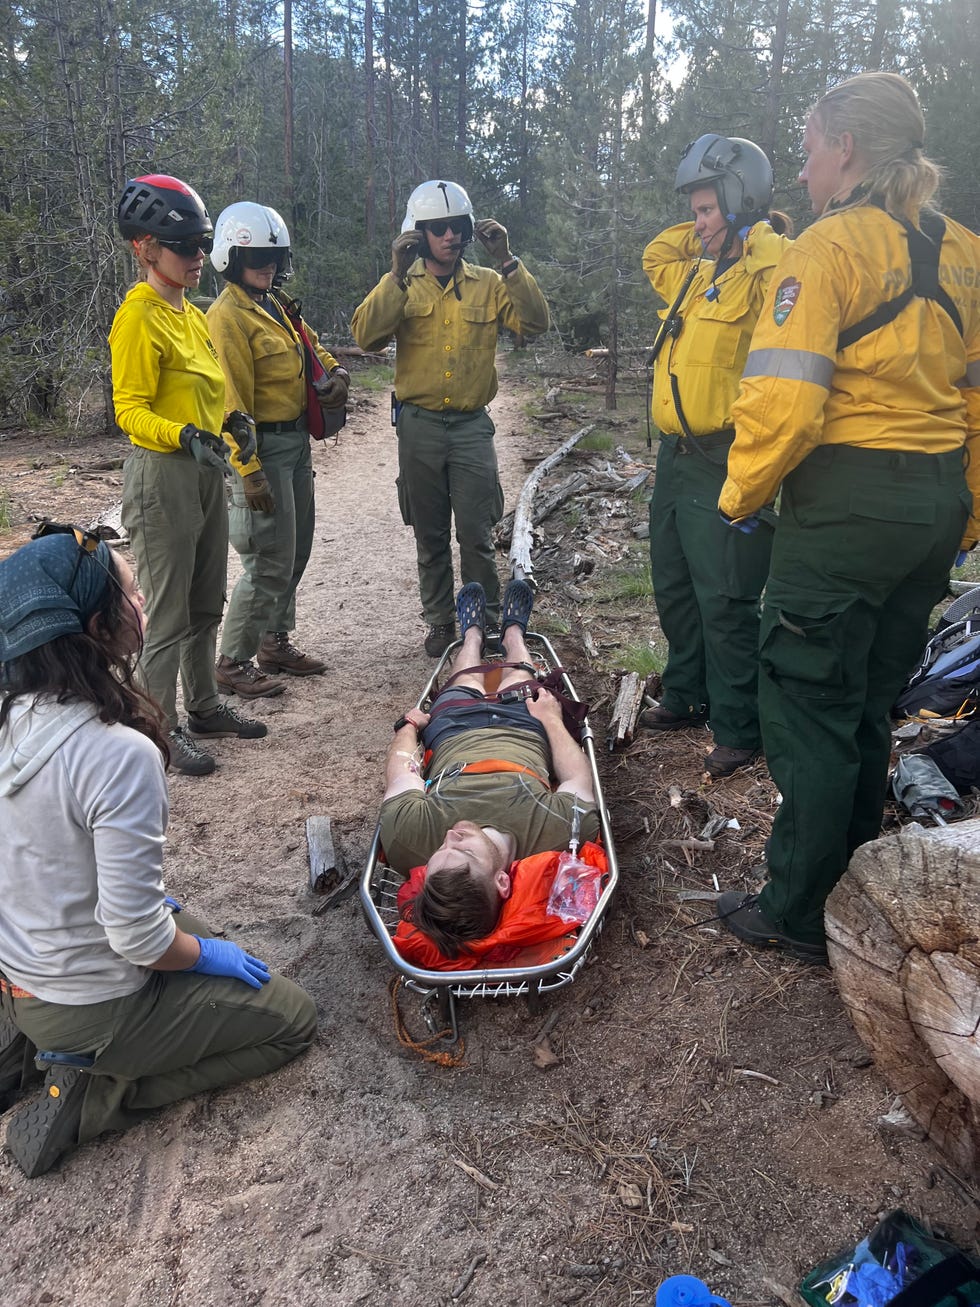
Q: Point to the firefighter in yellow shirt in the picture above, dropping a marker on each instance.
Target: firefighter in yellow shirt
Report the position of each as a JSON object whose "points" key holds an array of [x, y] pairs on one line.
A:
{"points": [[169, 398], [259, 336], [861, 398], [444, 314], [712, 273]]}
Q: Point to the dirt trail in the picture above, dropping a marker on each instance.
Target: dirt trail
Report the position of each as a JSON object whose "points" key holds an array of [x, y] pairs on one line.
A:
{"points": [[330, 1182], [709, 1110]]}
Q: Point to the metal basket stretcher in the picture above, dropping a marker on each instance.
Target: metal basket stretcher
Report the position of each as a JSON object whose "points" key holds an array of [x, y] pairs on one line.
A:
{"points": [[541, 967]]}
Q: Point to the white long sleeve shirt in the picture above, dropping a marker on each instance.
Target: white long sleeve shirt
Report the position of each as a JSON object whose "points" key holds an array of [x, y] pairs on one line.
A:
{"points": [[83, 811]]}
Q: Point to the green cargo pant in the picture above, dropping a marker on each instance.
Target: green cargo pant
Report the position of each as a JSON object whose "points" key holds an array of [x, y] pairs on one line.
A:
{"points": [[862, 554], [181, 1034], [174, 511], [447, 469], [707, 579], [274, 547]]}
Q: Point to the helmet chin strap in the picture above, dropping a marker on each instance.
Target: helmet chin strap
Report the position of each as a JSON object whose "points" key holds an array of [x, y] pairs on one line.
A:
{"points": [[167, 281]]}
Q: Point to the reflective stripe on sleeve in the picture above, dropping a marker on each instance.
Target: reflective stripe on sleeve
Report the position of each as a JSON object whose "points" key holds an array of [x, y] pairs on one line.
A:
{"points": [[790, 365], [972, 374]]}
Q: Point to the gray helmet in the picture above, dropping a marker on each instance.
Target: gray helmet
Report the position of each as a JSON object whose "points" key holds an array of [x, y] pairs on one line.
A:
{"points": [[739, 171]]}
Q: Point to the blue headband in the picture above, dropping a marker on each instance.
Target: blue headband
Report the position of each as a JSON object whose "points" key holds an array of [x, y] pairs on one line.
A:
{"points": [[40, 600]]}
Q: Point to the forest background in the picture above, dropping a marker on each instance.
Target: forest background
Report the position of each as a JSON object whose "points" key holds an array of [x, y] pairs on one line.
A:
{"points": [[565, 120]]}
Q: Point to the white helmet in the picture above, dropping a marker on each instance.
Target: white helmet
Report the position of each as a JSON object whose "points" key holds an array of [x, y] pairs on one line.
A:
{"points": [[249, 226], [434, 200]]}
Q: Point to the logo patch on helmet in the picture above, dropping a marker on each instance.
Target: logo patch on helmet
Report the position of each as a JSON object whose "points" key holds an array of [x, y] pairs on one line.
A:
{"points": [[243, 236], [786, 297]]}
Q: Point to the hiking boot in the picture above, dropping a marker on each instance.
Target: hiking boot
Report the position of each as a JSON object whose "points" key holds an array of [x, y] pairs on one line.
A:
{"points": [[741, 914], [45, 1129], [439, 639], [225, 721], [188, 757], [660, 718], [278, 654], [723, 761], [242, 677], [17, 1070]]}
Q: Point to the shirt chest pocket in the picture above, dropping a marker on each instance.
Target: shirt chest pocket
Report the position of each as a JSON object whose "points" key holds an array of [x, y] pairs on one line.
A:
{"points": [[419, 324], [276, 355], [479, 328], [719, 336]]}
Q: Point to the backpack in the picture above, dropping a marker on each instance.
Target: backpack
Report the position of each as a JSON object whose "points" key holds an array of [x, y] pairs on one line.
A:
{"points": [[946, 681]]}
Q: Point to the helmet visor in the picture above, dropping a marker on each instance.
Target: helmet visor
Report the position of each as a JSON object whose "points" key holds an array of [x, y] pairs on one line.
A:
{"points": [[262, 258]]}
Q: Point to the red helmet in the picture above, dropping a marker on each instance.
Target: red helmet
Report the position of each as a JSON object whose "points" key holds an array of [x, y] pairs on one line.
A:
{"points": [[162, 206]]}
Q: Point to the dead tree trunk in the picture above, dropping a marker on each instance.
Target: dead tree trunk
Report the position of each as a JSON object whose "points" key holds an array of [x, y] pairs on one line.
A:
{"points": [[904, 941], [521, 538]]}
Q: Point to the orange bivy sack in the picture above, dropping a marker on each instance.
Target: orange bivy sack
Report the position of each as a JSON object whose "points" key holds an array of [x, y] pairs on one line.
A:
{"points": [[524, 917]]}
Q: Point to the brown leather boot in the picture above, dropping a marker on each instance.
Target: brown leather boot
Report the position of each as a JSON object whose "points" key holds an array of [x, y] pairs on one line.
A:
{"points": [[277, 654], [244, 678]]}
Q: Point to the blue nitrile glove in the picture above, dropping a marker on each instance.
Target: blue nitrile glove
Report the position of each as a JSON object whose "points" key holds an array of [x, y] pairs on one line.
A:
{"points": [[220, 957], [744, 524], [172, 904], [961, 558]]}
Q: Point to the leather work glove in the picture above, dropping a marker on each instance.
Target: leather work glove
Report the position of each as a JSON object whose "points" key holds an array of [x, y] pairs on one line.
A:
{"points": [[241, 427], [220, 957], [258, 492], [209, 450], [404, 251], [332, 391], [493, 237]]}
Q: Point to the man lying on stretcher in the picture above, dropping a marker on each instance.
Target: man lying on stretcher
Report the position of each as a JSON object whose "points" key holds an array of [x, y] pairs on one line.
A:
{"points": [[488, 803]]}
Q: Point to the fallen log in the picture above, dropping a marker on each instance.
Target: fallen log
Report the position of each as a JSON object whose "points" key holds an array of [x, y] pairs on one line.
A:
{"points": [[903, 939], [622, 723], [503, 532], [521, 540], [329, 874]]}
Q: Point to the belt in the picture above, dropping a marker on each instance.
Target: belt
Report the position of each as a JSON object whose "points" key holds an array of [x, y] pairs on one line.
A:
{"points": [[485, 767], [712, 440], [15, 991], [274, 428]]}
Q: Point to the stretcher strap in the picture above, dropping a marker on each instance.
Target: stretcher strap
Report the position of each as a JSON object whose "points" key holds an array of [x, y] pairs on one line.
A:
{"points": [[497, 696], [483, 668], [487, 766], [422, 1046]]}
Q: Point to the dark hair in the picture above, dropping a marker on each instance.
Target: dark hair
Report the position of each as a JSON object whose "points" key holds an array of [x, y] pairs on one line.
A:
{"points": [[781, 223], [452, 908], [83, 668]]}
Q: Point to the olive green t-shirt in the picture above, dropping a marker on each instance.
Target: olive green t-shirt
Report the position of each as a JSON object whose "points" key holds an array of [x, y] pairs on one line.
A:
{"points": [[414, 824]]}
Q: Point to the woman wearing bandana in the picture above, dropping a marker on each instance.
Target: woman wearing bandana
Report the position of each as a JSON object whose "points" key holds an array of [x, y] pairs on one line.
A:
{"points": [[132, 1001]]}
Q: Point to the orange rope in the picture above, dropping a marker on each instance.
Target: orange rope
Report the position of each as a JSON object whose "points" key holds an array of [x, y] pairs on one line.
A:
{"points": [[422, 1047]]}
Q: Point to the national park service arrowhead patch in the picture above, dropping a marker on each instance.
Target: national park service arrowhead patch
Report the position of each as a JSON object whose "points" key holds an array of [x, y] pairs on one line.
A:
{"points": [[786, 297]]}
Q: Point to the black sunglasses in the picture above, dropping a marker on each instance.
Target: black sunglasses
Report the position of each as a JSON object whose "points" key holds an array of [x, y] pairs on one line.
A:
{"points": [[262, 258], [456, 225], [188, 249]]}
